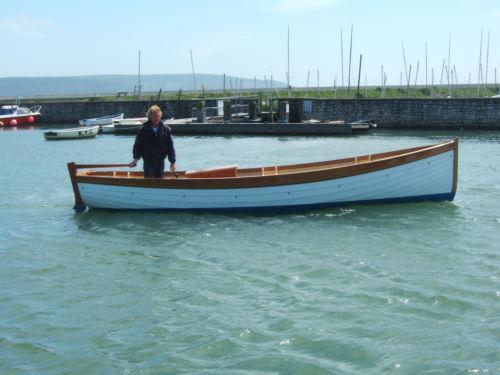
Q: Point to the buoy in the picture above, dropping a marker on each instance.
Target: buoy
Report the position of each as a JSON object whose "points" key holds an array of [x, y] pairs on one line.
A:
{"points": [[30, 119], [1, 123], [13, 122]]}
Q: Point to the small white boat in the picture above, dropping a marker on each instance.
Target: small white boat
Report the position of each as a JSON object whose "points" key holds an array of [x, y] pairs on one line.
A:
{"points": [[173, 121], [363, 125], [129, 125], [130, 121], [425, 173], [107, 129], [105, 120], [74, 133]]}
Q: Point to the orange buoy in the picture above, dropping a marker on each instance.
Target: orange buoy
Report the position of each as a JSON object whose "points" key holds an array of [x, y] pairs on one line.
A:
{"points": [[30, 119], [13, 122]]}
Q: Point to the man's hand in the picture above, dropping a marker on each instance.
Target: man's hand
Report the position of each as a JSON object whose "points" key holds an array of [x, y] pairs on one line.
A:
{"points": [[172, 167], [133, 163]]}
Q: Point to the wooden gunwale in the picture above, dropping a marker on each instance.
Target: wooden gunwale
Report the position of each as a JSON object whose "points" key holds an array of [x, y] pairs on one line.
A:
{"points": [[455, 165], [283, 175]]}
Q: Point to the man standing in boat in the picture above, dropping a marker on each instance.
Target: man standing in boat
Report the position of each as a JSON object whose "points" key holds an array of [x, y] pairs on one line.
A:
{"points": [[154, 143]]}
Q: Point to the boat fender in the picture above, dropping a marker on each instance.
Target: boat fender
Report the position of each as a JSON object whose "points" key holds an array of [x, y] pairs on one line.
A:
{"points": [[13, 122]]}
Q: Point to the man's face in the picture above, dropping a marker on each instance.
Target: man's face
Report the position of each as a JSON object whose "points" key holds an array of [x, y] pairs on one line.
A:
{"points": [[156, 118]]}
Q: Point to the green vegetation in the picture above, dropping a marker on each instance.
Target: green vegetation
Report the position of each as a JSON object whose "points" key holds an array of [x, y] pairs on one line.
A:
{"points": [[391, 92]]}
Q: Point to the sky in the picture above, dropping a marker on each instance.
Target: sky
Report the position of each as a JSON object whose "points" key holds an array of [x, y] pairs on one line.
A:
{"points": [[249, 38]]}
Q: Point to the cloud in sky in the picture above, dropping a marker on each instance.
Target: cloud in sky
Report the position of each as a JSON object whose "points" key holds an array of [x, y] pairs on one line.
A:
{"points": [[26, 26], [300, 6]]}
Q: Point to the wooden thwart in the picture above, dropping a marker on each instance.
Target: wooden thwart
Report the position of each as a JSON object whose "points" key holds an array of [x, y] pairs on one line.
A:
{"points": [[216, 172]]}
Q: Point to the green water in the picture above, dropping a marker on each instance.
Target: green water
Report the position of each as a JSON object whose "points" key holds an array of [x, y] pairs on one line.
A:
{"points": [[401, 289]]}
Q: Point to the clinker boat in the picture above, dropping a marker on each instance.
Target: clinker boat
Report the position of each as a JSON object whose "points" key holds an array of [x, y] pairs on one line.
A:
{"points": [[104, 120], [408, 175], [74, 133]]}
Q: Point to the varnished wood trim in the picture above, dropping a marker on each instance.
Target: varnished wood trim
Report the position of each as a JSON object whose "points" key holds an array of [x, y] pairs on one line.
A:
{"points": [[220, 172], [79, 205], [455, 165], [92, 166], [310, 172]]}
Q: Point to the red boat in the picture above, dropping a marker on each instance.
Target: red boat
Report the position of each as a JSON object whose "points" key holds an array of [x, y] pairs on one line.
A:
{"points": [[13, 115]]}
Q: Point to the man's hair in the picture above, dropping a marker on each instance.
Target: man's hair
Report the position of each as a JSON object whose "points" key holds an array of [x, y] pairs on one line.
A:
{"points": [[151, 110]]}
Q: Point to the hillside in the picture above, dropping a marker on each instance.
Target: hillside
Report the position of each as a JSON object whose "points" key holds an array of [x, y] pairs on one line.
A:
{"points": [[109, 84]]}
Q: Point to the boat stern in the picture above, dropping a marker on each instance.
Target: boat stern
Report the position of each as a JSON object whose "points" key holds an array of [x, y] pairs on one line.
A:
{"points": [[79, 204]]}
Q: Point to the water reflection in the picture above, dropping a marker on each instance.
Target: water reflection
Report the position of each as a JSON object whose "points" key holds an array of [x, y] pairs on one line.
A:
{"points": [[376, 216], [16, 128]]}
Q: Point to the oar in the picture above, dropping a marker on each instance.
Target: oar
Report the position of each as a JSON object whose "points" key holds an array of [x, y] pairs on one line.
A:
{"points": [[90, 166]]}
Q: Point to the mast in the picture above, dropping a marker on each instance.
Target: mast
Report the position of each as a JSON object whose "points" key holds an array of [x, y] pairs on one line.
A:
{"points": [[192, 66], [404, 60], [342, 55], [426, 65], [359, 74], [288, 63], [350, 58], [487, 61], [479, 66], [448, 67], [139, 76]]}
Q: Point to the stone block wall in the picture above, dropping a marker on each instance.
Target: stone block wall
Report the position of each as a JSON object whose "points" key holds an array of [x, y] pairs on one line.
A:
{"points": [[455, 113], [70, 112]]}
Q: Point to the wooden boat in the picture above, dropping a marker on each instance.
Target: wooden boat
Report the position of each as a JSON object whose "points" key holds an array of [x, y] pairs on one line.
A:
{"points": [[408, 175], [105, 120], [74, 133]]}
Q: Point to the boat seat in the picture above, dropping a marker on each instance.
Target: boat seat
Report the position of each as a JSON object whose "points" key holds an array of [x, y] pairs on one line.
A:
{"points": [[216, 172]]}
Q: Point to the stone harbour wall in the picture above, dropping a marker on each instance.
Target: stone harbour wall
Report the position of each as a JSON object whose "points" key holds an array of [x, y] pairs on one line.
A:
{"points": [[61, 112], [455, 113]]}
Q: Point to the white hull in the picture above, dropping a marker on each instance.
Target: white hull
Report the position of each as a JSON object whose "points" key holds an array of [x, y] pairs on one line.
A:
{"points": [[188, 120], [430, 178], [107, 129], [75, 133], [131, 121], [106, 120]]}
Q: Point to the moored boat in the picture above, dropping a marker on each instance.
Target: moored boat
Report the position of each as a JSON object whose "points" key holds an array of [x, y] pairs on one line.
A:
{"points": [[104, 120], [74, 133], [131, 121], [129, 125], [14, 115], [107, 129], [408, 175], [363, 125]]}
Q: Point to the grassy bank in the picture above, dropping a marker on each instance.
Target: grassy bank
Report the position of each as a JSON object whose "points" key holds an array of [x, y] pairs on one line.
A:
{"points": [[392, 92]]}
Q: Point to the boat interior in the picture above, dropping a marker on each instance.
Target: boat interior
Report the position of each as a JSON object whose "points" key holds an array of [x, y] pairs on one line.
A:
{"points": [[232, 171]]}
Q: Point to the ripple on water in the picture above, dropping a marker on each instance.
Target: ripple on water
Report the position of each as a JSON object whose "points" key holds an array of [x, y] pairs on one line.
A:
{"points": [[403, 288]]}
